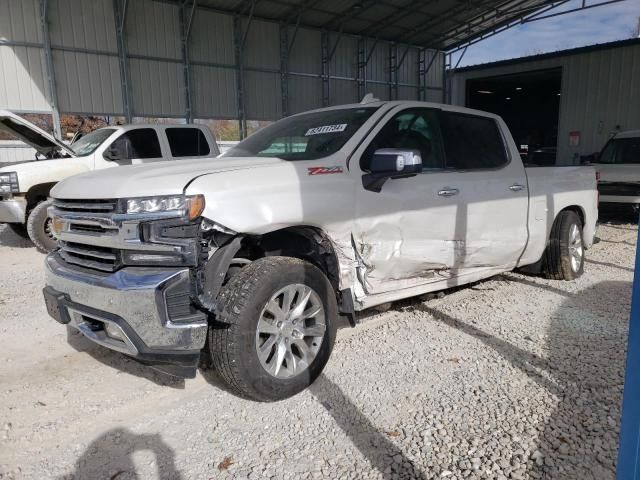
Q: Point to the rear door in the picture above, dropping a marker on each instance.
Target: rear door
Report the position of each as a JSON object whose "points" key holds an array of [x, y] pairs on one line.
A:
{"points": [[490, 189]]}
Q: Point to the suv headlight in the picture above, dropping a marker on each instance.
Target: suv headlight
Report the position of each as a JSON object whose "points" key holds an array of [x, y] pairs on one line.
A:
{"points": [[9, 182], [190, 207]]}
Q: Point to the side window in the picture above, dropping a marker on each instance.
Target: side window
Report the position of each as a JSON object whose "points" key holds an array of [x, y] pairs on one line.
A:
{"points": [[414, 129], [187, 142], [472, 142], [140, 143]]}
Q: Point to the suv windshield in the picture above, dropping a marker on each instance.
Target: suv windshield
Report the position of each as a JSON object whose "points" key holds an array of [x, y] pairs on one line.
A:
{"points": [[87, 144], [304, 137], [621, 150]]}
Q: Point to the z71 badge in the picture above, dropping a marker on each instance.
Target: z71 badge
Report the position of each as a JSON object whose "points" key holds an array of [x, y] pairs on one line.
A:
{"points": [[324, 170]]}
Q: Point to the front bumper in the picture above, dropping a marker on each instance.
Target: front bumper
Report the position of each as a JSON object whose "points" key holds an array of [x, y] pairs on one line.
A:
{"points": [[132, 310], [13, 210]]}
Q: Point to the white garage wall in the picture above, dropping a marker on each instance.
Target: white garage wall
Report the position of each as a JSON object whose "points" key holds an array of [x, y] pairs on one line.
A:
{"points": [[600, 91]]}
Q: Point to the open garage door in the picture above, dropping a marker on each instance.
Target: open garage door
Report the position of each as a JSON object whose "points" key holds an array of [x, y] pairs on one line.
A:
{"points": [[530, 105]]}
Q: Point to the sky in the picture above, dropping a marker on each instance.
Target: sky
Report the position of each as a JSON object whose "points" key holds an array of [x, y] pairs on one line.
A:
{"points": [[596, 25]]}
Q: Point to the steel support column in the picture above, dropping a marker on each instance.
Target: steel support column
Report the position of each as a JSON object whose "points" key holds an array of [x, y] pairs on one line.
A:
{"points": [[238, 49], [422, 80], [362, 68], [187, 13], [324, 45], [284, 68], [393, 71], [120, 16], [51, 78]]}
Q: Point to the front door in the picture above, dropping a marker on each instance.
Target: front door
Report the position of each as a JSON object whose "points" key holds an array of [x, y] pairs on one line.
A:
{"points": [[140, 145], [404, 234]]}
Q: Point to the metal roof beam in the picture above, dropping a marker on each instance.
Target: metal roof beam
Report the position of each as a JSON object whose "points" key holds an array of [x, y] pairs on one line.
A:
{"points": [[437, 19], [455, 32], [410, 8]]}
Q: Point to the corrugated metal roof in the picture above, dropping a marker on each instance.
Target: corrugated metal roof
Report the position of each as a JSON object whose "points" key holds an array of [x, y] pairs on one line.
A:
{"points": [[441, 24]]}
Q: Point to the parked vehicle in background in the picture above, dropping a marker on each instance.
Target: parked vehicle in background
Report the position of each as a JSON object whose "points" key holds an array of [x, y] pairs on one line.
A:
{"points": [[25, 186], [619, 170], [318, 215], [541, 157]]}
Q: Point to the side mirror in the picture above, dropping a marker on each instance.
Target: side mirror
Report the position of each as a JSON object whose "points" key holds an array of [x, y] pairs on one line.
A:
{"points": [[113, 154], [389, 163]]}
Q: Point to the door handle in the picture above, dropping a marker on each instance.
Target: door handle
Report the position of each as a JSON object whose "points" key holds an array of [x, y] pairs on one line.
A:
{"points": [[516, 187], [448, 192]]}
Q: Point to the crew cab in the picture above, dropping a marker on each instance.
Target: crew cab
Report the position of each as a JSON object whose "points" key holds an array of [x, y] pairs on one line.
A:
{"points": [[248, 261], [619, 170], [25, 186]]}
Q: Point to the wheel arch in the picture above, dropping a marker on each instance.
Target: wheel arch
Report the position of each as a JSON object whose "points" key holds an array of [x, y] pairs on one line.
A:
{"points": [[308, 243], [38, 192]]}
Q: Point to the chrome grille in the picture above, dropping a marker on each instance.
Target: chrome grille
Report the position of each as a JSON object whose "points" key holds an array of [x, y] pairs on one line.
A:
{"points": [[89, 256], [86, 206]]}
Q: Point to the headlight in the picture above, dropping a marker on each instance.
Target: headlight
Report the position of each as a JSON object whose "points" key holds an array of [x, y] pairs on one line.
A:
{"points": [[189, 206], [9, 182]]}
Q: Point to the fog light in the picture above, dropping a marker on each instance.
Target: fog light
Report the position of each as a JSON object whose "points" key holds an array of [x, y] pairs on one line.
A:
{"points": [[113, 331]]}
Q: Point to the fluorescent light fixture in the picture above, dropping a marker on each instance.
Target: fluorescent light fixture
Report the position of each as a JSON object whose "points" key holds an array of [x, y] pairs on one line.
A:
{"points": [[486, 92], [518, 88], [507, 98]]}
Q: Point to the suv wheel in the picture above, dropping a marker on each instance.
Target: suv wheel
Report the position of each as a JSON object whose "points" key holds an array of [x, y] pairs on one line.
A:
{"points": [[39, 228], [275, 328], [564, 257]]}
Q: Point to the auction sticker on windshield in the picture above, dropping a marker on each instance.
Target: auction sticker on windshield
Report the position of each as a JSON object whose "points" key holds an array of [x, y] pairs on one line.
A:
{"points": [[326, 129]]}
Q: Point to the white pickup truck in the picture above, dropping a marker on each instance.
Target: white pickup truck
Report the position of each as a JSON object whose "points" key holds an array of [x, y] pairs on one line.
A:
{"points": [[249, 259], [619, 168], [25, 186]]}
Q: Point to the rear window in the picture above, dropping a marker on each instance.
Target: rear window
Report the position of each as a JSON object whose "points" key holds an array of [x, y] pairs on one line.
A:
{"points": [[472, 142], [621, 150], [187, 142]]}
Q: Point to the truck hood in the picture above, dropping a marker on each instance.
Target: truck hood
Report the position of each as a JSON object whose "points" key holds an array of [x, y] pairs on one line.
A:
{"points": [[161, 178], [33, 136]]}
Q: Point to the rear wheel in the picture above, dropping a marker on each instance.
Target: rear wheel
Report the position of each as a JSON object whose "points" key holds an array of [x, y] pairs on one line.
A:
{"points": [[564, 257], [39, 228], [275, 328]]}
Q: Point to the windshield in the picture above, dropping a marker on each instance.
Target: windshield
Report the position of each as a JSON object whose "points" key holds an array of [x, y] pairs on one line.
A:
{"points": [[88, 143], [621, 150], [304, 137]]}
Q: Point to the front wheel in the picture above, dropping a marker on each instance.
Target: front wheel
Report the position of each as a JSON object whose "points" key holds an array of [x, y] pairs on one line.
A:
{"points": [[39, 228], [564, 257], [275, 328]]}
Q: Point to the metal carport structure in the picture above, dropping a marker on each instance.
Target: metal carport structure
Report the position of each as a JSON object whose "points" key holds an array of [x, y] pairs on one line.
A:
{"points": [[233, 59]]}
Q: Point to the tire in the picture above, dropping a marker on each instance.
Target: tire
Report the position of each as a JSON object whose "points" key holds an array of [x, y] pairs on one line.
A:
{"points": [[234, 336], [19, 229], [564, 256], [39, 228]]}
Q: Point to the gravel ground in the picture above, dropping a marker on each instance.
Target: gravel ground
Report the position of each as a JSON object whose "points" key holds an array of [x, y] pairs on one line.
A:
{"points": [[513, 377]]}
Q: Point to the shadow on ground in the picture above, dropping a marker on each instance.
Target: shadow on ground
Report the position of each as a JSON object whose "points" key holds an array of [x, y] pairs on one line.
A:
{"points": [[110, 457], [9, 238], [383, 454], [120, 362], [584, 369]]}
